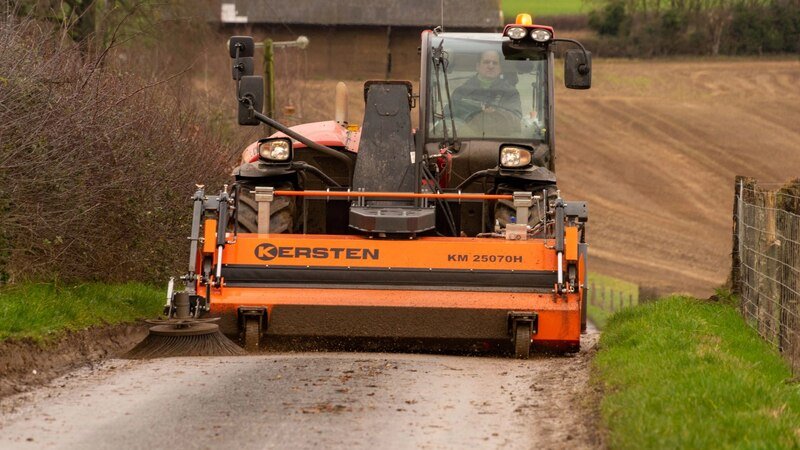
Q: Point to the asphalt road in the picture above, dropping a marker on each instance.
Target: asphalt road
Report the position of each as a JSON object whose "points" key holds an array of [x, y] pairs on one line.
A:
{"points": [[306, 400]]}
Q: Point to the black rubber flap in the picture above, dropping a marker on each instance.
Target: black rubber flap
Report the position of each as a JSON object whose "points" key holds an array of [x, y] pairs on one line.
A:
{"points": [[388, 322], [368, 277], [386, 150]]}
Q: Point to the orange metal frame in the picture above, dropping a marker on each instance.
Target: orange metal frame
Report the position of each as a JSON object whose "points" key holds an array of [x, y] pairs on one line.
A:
{"points": [[393, 195]]}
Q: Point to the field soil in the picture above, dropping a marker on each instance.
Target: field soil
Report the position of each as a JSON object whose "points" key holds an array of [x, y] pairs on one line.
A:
{"points": [[654, 147], [304, 400]]}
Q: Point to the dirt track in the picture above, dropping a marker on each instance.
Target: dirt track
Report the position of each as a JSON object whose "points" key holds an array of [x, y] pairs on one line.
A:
{"points": [[301, 400]]}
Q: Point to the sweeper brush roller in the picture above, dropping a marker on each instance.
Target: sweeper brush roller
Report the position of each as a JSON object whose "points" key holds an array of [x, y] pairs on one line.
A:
{"points": [[200, 340], [183, 335]]}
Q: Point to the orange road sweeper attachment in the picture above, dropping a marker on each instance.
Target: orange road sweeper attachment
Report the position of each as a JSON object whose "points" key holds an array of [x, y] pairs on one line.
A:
{"points": [[503, 291], [450, 234]]}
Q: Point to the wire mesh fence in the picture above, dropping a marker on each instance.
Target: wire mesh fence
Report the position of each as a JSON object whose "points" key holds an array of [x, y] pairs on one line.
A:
{"points": [[766, 262], [612, 295], [607, 295], [611, 298]]}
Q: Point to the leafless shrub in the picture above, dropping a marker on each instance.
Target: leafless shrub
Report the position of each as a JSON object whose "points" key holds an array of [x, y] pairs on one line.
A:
{"points": [[96, 168]]}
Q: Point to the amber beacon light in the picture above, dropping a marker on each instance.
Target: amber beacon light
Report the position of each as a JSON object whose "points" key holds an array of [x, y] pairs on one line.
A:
{"points": [[524, 19]]}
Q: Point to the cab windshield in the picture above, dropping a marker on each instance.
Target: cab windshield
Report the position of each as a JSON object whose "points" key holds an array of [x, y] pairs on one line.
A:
{"points": [[477, 93]]}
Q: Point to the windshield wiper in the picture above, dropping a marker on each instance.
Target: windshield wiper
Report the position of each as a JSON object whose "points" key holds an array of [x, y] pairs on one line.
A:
{"points": [[440, 63]]}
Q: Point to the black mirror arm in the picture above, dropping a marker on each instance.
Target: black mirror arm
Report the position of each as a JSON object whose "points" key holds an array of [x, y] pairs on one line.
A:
{"points": [[236, 63], [583, 69]]}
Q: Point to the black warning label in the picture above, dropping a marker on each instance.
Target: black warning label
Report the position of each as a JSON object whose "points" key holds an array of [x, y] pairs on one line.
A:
{"points": [[268, 252]]}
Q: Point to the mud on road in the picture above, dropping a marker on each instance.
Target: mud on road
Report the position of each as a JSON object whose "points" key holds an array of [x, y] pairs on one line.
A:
{"points": [[302, 400]]}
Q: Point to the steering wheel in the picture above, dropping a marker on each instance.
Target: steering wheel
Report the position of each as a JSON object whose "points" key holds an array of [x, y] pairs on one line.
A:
{"points": [[501, 121]]}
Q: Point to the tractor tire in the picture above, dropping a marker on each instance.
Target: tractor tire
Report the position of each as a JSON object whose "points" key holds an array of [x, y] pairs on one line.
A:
{"points": [[282, 212], [504, 209], [522, 342]]}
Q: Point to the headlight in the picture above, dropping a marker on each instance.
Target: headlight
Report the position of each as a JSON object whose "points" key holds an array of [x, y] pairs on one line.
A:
{"points": [[516, 32], [514, 157], [541, 35], [276, 150]]}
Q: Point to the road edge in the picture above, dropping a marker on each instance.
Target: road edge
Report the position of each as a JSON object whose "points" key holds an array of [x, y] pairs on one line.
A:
{"points": [[26, 363]]}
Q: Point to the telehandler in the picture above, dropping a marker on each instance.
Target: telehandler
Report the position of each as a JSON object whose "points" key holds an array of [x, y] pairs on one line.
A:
{"points": [[450, 234]]}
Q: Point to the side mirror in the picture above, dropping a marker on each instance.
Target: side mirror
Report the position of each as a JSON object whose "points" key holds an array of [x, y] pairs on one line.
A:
{"points": [[242, 67], [245, 45], [577, 71], [252, 88]]}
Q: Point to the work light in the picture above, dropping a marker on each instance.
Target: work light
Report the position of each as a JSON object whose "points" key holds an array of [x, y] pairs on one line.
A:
{"points": [[541, 35], [275, 150], [516, 32], [514, 157]]}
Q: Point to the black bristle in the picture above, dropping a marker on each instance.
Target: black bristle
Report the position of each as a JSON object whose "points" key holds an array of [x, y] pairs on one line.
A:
{"points": [[159, 346]]}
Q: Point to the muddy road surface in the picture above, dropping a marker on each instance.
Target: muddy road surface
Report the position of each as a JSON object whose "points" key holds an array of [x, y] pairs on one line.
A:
{"points": [[305, 400]]}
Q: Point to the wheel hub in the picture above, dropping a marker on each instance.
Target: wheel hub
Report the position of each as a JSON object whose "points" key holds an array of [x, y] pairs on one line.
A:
{"points": [[183, 327], [190, 330]]}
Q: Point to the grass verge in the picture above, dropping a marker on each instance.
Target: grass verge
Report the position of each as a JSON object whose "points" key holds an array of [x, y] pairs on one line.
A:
{"points": [[685, 373], [37, 311]]}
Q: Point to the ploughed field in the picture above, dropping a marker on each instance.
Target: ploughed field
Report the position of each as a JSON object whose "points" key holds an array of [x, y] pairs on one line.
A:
{"points": [[654, 147]]}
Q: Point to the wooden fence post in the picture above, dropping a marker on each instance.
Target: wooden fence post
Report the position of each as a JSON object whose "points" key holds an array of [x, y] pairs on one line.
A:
{"points": [[787, 226], [611, 296], [747, 277], [735, 276], [603, 297]]}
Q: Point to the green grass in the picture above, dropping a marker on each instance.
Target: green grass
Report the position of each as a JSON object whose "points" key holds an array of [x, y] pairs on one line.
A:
{"points": [[40, 310], [685, 373], [539, 8]]}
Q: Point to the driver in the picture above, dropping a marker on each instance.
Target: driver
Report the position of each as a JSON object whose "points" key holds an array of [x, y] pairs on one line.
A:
{"points": [[486, 91]]}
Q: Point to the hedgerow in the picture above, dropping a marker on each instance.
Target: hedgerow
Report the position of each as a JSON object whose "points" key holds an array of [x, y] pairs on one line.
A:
{"points": [[96, 166]]}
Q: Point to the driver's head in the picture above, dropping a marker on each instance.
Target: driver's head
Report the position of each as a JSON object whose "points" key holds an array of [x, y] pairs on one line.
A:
{"points": [[489, 65]]}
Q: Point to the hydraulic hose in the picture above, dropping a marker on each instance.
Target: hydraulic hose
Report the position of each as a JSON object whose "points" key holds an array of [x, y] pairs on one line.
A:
{"points": [[442, 203], [475, 176], [316, 172]]}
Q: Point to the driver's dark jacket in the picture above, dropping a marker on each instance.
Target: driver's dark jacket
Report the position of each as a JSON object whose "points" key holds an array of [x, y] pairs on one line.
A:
{"points": [[471, 98]]}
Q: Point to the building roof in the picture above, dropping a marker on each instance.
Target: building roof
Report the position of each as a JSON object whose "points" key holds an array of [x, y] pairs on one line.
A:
{"points": [[479, 14]]}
